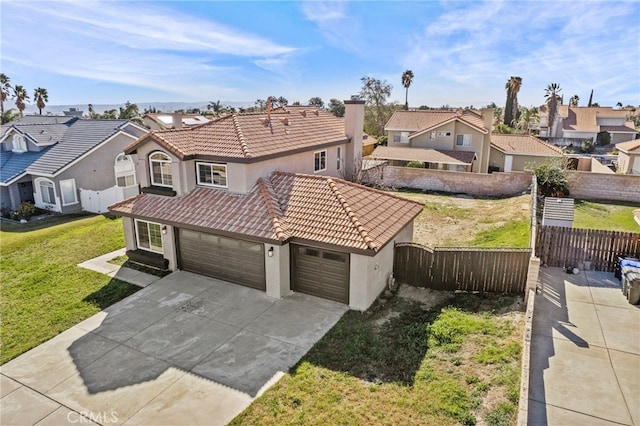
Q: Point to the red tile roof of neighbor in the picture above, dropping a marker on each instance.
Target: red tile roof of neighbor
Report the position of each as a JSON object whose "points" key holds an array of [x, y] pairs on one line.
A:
{"points": [[286, 206], [251, 136], [424, 155], [524, 144], [424, 120], [629, 146]]}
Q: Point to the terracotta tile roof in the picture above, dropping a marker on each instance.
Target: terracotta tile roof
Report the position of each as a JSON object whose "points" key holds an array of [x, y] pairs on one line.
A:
{"points": [[629, 146], [286, 206], [625, 129], [249, 136], [524, 144], [425, 120], [585, 119], [424, 155]]}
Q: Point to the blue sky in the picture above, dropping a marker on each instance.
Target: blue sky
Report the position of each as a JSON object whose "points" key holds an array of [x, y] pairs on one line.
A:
{"points": [[461, 53]]}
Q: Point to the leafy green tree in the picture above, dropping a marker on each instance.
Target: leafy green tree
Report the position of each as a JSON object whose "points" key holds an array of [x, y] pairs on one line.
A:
{"points": [[10, 115], [214, 106], [40, 96], [552, 178], [415, 164], [336, 107], [375, 93], [317, 102], [587, 146], [5, 93], [527, 117], [603, 138], [551, 96], [511, 106], [407, 79], [21, 95], [573, 101]]}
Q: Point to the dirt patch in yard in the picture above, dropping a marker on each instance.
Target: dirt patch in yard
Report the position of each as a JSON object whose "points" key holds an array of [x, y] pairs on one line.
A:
{"points": [[450, 220]]}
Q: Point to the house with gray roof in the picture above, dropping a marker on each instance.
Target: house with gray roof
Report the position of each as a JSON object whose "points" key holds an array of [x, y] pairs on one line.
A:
{"points": [[66, 164]]}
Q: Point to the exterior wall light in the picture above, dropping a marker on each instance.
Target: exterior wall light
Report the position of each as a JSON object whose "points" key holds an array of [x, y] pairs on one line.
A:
{"points": [[164, 230], [270, 252]]}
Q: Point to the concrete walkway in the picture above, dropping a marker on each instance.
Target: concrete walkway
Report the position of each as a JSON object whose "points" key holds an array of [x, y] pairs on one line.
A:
{"points": [[185, 350], [101, 264], [585, 352]]}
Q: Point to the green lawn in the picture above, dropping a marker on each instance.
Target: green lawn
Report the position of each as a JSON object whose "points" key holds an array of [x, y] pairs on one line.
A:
{"points": [[456, 363], [608, 216], [42, 291], [514, 234]]}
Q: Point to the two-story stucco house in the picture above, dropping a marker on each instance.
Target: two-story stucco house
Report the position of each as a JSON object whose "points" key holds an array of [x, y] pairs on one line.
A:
{"points": [[63, 163], [574, 124], [629, 157], [257, 200], [443, 140]]}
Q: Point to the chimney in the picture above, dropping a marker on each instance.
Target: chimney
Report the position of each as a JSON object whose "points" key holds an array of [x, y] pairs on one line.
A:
{"points": [[487, 117], [176, 119], [353, 128]]}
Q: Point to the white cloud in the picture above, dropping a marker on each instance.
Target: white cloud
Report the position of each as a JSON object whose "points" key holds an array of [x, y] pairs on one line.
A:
{"points": [[338, 28]]}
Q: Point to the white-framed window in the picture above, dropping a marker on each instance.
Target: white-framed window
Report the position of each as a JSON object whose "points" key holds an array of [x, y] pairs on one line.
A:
{"points": [[149, 236], [211, 174], [339, 158], [160, 164], [463, 140], [320, 161], [69, 193], [402, 137], [125, 170], [19, 144], [47, 191], [432, 135]]}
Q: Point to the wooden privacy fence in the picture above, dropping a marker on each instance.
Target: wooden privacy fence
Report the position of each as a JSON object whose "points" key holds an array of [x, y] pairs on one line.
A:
{"points": [[558, 246], [462, 268]]}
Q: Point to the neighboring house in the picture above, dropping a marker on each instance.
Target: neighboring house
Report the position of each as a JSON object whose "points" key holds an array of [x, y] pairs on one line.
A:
{"points": [[50, 160], [629, 157], [368, 144], [574, 124], [255, 199], [172, 120], [444, 140], [518, 152]]}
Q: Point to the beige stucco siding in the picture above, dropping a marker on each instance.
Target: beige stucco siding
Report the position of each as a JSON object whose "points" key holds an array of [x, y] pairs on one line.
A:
{"points": [[621, 137], [143, 171], [277, 270], [438, 142]]}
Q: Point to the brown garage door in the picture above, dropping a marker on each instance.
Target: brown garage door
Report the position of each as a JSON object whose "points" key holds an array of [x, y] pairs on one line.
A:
{"points": [[320, 273], [229, 259]]}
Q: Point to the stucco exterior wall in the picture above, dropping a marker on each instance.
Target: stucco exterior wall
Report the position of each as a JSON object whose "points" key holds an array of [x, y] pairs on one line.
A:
{"points": [[439, 142], [597, 186], [129, 233], [143, 171], [482, 184], [277, 270], [369, 276], [624, 163], [621, 137], [519, 162]]}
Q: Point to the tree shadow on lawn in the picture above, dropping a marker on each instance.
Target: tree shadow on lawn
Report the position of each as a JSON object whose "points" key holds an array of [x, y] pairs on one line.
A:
{"points": [[46, 222], [113, 292], [392, 351]]}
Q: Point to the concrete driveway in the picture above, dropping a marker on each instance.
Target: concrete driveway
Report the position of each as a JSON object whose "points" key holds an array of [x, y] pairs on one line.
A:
{"points": [[184, 350]]}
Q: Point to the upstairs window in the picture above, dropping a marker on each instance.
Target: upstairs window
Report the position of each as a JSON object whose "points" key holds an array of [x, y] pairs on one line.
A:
{"points": [[402, 137], [211, 174], [19, 144], [125, 171], [160, 164], [463, 140], [320, 161], [339, 160]]}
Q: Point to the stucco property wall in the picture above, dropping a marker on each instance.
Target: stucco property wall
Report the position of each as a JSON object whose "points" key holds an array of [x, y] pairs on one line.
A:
{"points": [[597, 186], [483, 184], [369, 275]]}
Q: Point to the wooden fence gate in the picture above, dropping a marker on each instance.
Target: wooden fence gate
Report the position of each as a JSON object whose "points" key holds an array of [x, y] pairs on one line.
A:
{"points": [[462, 268], [558, 246]]}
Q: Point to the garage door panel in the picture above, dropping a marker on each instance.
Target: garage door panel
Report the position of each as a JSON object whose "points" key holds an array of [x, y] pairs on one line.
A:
{"points": [[321, 273], [225, 258]]}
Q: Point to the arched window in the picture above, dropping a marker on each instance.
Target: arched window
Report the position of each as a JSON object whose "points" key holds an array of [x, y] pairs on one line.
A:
{"points": [[125, 171], [47, 191], [19, 144], [160, 164]]}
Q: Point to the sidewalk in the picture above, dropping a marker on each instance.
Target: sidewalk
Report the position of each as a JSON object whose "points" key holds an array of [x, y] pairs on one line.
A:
{"points": [[101, 264], [585, 352]]}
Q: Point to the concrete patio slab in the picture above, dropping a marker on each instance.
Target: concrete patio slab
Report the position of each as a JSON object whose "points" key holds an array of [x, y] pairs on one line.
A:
{"points": [[101, 264], [64, 416], [25, 406], [7, 385], [167, 352], [585, 359]]}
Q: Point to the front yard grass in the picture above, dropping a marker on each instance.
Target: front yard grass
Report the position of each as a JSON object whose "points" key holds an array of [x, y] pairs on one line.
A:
{"points": [[42, 291], [454, 362], [608, 216]]}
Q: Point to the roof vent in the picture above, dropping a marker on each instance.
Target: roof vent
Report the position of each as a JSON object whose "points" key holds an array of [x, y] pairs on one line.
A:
{"points": [[303, 113], [285, 121], [316, 112]]}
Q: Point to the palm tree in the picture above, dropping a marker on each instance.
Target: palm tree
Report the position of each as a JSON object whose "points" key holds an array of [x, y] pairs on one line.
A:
{"points": [[214, 106], [511, 106], [21, 95], [619, 105], [9, 115], [5, 90], [407, 79], [528, 116], [40, 96], [497, 115], [573, 101], [551, 97]]}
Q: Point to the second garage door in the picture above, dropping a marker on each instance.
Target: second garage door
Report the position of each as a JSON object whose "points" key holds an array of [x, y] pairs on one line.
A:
{"points": [[320, 273], [228, 259]]}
